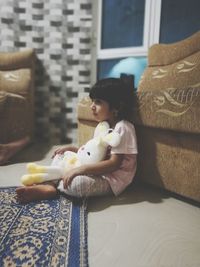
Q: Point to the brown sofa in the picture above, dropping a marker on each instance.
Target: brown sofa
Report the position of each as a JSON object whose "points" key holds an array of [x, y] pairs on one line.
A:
{"points": [[16, 95], [166, 113]]}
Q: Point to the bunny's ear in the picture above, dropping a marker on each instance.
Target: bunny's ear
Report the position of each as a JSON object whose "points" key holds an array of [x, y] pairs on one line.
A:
{"points": [[101, 129], [113, 139]]}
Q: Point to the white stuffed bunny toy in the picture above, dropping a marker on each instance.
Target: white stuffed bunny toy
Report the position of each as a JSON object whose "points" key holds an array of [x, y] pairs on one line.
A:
{"points": [[92, 152]]}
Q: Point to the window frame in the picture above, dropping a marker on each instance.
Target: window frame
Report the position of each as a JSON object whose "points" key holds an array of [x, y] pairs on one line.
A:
{"points": [[151, 35]]}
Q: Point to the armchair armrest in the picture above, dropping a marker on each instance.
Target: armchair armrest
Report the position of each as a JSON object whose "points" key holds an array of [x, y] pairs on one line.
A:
{"points": [[174, 109], [17, 72]]}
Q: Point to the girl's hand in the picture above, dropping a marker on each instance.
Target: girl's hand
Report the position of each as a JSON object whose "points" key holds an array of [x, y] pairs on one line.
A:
{"points": [[62, 150], [69, 176]]}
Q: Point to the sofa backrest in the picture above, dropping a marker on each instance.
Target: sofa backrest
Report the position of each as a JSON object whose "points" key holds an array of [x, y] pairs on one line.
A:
{"points": [[168, 95], [173, 66]]}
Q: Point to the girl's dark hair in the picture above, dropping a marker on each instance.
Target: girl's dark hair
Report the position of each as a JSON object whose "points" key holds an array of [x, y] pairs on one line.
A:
{"points": [[117, 92]]}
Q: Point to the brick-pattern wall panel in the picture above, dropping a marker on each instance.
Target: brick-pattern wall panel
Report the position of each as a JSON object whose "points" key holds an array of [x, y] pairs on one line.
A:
{"points": [[60, 33]]}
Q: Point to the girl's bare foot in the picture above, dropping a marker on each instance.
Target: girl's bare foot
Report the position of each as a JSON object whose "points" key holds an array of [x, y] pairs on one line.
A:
{"points": [[36, 192], [9, 150]]}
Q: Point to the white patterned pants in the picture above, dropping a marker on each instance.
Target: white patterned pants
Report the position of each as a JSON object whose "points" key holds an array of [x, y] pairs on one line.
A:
{"points": [[85, 186]]}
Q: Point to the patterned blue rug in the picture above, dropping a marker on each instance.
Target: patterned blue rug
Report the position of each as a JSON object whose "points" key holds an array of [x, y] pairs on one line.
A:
{"points": [[41, 234]]}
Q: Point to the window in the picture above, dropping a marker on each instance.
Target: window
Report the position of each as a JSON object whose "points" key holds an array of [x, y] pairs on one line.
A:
{"points": [[115, 67], [130, 16], [122, 36], [124, 30], [179, 19], [124, 26]]}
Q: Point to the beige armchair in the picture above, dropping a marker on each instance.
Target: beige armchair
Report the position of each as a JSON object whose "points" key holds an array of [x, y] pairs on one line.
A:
{"points": [[16, 95], [166, 113], [167, 118]]}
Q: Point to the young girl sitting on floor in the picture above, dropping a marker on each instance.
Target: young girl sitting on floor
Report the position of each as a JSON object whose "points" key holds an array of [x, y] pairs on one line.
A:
{"points": [[111, 102]]}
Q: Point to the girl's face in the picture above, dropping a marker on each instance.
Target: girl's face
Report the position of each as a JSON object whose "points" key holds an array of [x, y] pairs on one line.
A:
{"points": [[102, 111]]}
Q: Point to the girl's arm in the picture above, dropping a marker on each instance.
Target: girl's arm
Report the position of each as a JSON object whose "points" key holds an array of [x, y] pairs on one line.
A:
{"points": [[100, 168]]}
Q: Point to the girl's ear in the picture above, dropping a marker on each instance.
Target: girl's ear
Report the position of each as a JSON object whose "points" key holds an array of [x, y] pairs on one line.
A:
{"points": [[115, 113], [101, 129]]}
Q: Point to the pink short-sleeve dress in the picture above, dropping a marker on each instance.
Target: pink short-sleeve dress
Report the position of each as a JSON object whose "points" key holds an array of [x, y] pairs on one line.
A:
{"points": [[122, 177]]}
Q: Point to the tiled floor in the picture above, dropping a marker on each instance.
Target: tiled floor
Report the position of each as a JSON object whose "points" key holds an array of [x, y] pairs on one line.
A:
{"points": [[143, 227]]}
